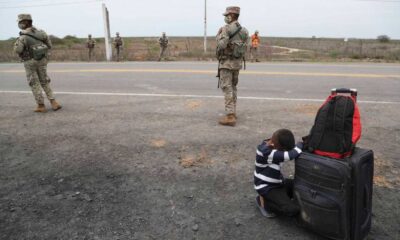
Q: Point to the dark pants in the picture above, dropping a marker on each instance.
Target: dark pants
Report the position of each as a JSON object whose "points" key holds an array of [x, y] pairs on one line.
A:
{"points": [[280, 200], [118, 50], [90, 54]]}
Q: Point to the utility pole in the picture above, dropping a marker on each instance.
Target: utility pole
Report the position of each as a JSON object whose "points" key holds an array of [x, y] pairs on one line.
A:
{"points": [[107, 36], [205, 26]]}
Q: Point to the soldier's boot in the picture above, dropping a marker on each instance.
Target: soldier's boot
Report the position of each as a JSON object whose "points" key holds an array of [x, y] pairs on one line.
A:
{"points": [[54, 104], [228, 120], [40, 108]]}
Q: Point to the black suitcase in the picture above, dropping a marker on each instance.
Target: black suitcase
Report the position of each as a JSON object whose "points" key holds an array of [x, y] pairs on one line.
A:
{"points": [[335, 196]]}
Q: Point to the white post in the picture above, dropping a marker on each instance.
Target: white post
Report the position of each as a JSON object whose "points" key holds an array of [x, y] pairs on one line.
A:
{"points": [[107, 36], [205, 26]]}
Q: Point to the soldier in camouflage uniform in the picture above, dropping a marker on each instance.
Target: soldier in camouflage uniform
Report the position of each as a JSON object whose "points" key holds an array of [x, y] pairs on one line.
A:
{"points": [[90, 44], [118, 44], [231, 48], [32, 47], [163, 41]]}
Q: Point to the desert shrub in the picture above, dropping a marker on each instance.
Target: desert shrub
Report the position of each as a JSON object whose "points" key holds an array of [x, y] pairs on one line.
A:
{"points": [[56, 40], [333, 54], [383, 38], [395, 55], [72, 39], [355, 56]]}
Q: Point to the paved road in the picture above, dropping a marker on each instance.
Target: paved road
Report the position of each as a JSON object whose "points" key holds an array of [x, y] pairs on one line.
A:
{"points": [[136, 151], [375, 82]]}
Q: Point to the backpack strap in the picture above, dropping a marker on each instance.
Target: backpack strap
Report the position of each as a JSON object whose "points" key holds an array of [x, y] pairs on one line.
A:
{"points": [[317, 131], [339, 116], [340, 122], [235, 32], [233, 35], [32, 36]]}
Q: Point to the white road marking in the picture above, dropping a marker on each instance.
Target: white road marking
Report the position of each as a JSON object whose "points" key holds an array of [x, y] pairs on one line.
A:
{"points": [[192, 96]]}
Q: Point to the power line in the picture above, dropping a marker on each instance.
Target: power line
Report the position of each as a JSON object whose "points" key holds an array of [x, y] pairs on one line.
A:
{"points": [[53, 4]]}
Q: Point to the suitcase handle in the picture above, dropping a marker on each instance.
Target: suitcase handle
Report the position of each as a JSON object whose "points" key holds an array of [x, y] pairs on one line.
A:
{"points": [[352, 91]]}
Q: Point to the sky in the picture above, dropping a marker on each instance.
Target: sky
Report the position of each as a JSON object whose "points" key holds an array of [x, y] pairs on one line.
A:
{"points": [[277, 18]]}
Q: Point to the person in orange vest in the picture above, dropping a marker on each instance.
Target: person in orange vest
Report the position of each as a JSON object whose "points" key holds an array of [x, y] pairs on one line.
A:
{"points": [[255, 42]]}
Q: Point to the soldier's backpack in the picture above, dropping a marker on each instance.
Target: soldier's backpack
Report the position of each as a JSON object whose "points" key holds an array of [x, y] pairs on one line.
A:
{"points": [[337, 126], [36, 45]]}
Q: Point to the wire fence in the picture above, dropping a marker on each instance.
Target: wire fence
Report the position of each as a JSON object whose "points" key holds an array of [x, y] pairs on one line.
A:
{"points": [[191, 48]]}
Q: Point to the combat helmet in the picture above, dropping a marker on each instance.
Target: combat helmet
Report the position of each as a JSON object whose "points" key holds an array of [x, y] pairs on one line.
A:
{"points": [[232, 9], [24, 16]]}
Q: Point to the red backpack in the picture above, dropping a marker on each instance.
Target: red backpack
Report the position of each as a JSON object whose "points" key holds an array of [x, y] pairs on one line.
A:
{"points": [[337, 126]]}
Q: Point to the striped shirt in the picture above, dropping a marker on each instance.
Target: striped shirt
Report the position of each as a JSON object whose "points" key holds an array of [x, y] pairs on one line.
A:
{"points": [[267, 172]]}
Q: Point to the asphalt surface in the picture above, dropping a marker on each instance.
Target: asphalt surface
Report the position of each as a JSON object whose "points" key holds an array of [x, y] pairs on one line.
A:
{"points": [[136, 151], [376, 82]]}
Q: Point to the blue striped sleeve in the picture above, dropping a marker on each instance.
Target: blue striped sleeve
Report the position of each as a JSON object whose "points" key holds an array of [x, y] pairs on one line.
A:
{"points": [[281, 156], [263, 152]]}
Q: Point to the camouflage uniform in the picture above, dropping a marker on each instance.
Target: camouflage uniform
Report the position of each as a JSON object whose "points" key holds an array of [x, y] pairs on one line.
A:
{"points": [[163, 41], [36, 70], [229, 66], [90, 44], [118, 43]]}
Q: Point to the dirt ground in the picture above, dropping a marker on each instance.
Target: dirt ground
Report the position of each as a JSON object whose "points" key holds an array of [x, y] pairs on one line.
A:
{"points": [[107, 167]]}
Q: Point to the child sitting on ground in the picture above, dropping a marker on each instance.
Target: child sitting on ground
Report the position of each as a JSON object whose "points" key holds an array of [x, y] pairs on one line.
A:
{"points": [[275, 192]]}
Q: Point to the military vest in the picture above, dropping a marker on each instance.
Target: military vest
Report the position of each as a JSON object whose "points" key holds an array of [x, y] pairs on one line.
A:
{"points": [[90, 43], [163, 41], [118, 41]]}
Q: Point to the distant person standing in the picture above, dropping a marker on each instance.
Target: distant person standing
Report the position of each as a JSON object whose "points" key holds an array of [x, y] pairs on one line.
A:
{"points": [[118, 45], [255, 42], [163, 41], [90, 44], [32, 47], [231, 49]]}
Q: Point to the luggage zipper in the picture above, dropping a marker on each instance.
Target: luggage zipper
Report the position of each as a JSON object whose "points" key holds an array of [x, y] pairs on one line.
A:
{"points": [[313, 193], [339, 186]]}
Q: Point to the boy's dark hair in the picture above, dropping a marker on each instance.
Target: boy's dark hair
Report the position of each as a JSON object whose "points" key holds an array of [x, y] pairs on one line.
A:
{"points": [[283, 140]]}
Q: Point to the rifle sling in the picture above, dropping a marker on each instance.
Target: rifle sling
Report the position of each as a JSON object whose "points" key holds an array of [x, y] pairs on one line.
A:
{"points": [[236, 32]]}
